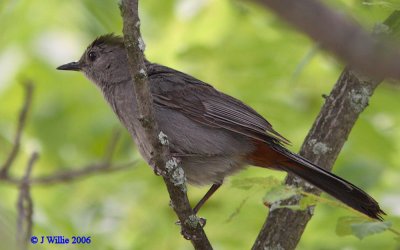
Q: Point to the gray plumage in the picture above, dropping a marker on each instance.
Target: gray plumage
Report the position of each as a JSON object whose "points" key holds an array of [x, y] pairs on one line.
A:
{"points": [[212, 134], [193, 123]]}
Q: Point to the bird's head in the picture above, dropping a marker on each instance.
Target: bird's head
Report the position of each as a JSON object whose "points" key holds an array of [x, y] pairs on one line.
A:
{"points": [[104, 62]]}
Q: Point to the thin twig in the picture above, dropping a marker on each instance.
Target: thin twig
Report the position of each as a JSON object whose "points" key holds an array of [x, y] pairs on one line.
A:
{"points": [[397, 233], [305, 61], [112, 145], [25, 207], [73, 175], [81, 172], [76, 174], [28, 86]]}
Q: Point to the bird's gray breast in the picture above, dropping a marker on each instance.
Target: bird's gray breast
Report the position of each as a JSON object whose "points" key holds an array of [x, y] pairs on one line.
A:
{"points": [[207, 154]]}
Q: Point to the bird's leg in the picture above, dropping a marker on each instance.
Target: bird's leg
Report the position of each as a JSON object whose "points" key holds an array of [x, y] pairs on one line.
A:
{"points": [[209, 193], [196, 208]]}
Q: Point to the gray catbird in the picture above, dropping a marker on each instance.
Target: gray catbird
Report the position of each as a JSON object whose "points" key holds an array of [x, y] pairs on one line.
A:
{"points": [[213, 134]]}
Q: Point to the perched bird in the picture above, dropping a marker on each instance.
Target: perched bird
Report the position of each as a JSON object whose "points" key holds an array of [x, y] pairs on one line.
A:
{"points": [[212, 134]]}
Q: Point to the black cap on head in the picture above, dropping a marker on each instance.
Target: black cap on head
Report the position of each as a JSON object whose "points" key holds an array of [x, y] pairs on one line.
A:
{"points": [[109, 39]]}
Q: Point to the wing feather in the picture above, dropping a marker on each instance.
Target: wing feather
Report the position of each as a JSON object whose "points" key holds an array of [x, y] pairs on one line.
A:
{"points": [[201, 102]]}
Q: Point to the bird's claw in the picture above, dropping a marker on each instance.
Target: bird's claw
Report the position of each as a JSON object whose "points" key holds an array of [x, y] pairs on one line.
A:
{"points": [[202, 222]]}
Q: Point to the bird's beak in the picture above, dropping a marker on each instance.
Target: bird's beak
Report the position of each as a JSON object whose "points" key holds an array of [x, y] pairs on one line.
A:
{"points": [[74, 66]]}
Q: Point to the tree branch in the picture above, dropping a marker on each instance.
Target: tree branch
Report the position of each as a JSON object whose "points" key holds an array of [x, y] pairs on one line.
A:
{"points": [[349, 97], [163, 162], [73, 175], [28, 87], [25, 207], [112, 145], [106, 166], [338, 34]]}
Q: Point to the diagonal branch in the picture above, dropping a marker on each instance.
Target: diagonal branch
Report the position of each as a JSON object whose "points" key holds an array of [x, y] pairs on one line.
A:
{"points": [[21, 124], [106, 166], [112, 145], [340, 35], [349, 97], [162, 160]]}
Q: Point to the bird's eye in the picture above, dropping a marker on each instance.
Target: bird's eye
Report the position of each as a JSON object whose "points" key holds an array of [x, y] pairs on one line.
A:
{"points": [[92, 56]]}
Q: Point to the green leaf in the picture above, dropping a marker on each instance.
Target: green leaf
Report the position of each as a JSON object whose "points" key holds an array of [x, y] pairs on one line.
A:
{"points": [[343, 226], [310, 199], [307, 201], [360, 227], [279, 193], [247, 183], [390, 4], [361, 230]]}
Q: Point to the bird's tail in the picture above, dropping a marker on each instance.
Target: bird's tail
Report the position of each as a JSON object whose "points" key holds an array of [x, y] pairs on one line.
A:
{"points": [[337, 187]]}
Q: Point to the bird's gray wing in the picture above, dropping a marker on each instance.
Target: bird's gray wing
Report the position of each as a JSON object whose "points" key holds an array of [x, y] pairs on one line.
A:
{"points": [[201, 102]]}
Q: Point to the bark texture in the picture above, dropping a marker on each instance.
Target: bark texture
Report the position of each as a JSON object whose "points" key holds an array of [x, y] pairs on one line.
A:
{"points": [[349, 97]]}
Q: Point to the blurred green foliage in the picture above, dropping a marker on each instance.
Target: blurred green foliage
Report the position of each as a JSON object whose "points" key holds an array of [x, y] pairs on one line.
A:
{"points": [[236, 46]]}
